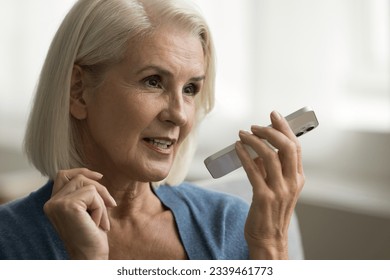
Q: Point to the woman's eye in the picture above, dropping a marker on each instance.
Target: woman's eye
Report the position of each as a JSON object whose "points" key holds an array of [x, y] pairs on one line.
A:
{"points": [[153, 82], [191, 90]]}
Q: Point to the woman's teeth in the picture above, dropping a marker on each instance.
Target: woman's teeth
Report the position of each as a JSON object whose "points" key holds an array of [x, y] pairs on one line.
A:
{"points": [[162, 144]]}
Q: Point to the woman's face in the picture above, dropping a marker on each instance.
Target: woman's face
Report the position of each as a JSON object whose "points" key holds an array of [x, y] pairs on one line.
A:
{"points": [[137, 119]]}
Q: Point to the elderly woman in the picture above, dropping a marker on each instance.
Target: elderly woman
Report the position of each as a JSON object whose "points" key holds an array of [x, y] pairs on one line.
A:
{"points": [[122, 91]]}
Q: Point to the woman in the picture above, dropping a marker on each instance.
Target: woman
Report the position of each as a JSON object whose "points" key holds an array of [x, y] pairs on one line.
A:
{"points": [[123, 88]]}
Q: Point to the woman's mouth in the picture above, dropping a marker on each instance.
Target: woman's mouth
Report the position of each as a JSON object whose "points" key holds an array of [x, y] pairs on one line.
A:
{"points": [[160, 143]]}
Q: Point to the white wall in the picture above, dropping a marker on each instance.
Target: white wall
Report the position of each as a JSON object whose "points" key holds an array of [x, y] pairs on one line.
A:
{"points": [[26, 28], [332, 55]]}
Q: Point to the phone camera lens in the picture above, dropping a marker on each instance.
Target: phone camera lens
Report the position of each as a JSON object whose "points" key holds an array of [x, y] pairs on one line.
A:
{"points": [[299, 133], [309, 128]]}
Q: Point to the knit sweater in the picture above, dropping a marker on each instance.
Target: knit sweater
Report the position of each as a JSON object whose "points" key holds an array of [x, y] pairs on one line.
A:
{"points": [[210, 224]]}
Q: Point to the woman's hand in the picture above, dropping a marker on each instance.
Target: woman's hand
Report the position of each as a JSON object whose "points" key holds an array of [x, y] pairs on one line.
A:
{"points": [[78, 211], [277, 179]]}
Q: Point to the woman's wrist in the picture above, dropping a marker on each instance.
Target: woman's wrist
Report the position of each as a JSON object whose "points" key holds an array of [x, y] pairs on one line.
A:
{"points": [[268, 251]]}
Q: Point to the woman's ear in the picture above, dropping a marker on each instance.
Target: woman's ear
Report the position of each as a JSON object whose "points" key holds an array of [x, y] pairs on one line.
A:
{"points": [[78, 106]]}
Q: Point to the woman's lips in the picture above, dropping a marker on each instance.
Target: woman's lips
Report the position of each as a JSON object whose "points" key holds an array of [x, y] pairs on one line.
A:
{"points": [[161, 145]]}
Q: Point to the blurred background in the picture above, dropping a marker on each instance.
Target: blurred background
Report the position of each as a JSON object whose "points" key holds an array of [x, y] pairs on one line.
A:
{"points": [[331, 55]]}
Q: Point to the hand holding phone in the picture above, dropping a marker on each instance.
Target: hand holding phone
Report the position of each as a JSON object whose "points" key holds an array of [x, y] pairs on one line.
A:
{"points": [[226, 160]]}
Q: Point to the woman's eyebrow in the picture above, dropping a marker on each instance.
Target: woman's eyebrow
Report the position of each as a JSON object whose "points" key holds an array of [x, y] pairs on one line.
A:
{"points": [[198, 79], [155, 68], [165, 72]]}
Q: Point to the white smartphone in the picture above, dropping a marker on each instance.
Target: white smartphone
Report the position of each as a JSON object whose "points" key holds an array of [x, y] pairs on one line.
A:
{"points": [[226, 160]]}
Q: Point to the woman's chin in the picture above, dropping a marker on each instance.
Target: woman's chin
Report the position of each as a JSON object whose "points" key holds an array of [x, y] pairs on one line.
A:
{"points": [[157, 175]]}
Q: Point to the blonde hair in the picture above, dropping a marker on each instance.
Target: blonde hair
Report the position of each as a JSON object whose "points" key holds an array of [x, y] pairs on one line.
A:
{"points": [[95, 35]]}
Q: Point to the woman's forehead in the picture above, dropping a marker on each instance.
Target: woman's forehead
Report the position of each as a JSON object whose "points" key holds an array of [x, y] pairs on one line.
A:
{"points": [[167, 49]]}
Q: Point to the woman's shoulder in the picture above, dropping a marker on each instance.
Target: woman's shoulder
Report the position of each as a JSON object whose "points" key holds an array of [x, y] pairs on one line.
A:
{"points": [[25, 232], [28, 205]]}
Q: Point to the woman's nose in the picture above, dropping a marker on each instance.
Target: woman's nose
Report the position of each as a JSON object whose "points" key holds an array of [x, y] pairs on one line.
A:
{"points": [[174, 111]]}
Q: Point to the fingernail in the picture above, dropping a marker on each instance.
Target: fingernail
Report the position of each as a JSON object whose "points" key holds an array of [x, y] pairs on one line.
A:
{"points": [[256, 128], [99, 175], [244, 133], [276, 115], [105, 228], [114, 202]]}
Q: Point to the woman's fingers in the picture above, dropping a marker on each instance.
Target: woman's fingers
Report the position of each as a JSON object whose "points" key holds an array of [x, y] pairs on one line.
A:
{"points": [[86, 203], [269, 157], [255, 173], [67, 175], [283, 139], [64, 176], [69, 180], [287, 150], [80, 185], [78, 211], [95, 206], [280, 123], [277, 178]]}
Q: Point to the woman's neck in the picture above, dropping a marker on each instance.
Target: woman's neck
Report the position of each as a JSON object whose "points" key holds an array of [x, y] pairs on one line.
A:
{"points": [[132, 198]]}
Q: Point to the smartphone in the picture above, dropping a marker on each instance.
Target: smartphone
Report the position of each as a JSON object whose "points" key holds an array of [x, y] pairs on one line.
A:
{"points": [[226, 160]]}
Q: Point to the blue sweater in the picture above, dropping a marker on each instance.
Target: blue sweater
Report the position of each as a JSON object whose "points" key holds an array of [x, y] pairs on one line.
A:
{"points": [[210, 224]]}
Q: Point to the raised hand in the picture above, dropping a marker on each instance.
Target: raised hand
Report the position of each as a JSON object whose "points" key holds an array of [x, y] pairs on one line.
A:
{"points": [[277, 179], [78, 211]]}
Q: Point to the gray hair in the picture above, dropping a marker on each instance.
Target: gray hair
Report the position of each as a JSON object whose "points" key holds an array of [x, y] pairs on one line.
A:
{"points": [[95, 35]]}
